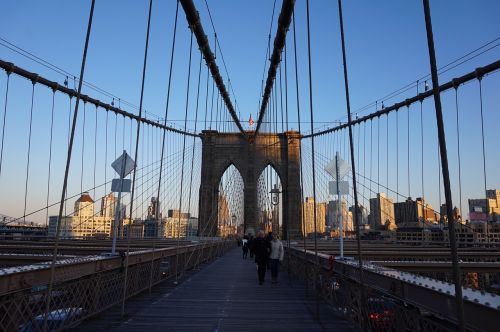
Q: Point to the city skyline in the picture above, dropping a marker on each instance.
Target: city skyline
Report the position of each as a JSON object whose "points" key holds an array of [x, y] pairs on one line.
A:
{"points": [[392, 73]]}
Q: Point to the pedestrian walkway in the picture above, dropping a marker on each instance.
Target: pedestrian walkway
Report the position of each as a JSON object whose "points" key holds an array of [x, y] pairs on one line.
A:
{"points": [[224, 296]]}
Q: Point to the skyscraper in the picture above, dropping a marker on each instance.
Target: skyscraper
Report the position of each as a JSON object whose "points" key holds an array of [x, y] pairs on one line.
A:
{"points": [[309, 206], [108, 206], [382, 213]]}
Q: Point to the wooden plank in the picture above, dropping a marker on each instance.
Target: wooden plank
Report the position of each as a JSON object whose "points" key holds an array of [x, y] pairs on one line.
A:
{"points": [[223, 296]]}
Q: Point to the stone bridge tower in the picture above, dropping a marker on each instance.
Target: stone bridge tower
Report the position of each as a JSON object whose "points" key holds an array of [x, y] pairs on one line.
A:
{"points": [[251, 155]]}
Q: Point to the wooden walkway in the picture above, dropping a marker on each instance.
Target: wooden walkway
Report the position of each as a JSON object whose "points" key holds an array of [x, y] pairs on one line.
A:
{"points": [[223, 296]]}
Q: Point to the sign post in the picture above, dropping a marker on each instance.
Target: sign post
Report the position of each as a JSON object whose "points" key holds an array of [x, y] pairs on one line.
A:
{"points": [[338, 169], [123, 166]]}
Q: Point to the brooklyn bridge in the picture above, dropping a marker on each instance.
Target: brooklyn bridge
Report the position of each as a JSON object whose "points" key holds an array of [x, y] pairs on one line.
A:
{"points": [[135, 210]]}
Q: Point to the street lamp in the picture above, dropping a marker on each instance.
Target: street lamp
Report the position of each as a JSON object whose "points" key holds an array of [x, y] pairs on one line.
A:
{"points": [[275, 195], [275, 200]]}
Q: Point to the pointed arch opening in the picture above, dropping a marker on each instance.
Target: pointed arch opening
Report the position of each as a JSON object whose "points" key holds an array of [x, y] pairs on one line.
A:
{"points": [[230, 203], [270, 201]]}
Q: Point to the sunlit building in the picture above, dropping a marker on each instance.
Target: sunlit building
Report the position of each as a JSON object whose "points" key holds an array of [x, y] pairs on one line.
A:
{"points": [[382, 213], [85, 222], [309, 206]]}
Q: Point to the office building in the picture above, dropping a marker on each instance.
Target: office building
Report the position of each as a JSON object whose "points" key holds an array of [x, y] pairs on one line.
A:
{"points": [[309, 206], [382, 213]]}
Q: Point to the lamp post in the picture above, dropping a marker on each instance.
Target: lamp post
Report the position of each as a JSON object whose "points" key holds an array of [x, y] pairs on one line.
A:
{"points": [[275, 200], [275, 195]]}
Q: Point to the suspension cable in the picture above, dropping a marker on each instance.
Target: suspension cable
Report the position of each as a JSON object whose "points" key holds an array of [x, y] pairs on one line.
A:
{"points": [[312, 152], [183, 159], [444, 163], [4, 119], [166, 109], [66, 172], [458, 152], [50, 155], [136, 154], [356, 214], [484, 152], [29, 149]]}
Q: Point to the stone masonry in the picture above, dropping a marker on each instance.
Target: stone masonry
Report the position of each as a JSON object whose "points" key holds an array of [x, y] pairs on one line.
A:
{"points": [[250, 155]]}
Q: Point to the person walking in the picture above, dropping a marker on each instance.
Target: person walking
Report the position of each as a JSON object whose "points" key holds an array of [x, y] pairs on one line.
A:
{"points": [[250, 244], [261, 250], [268, 239], [245, 248], [275, 257]]}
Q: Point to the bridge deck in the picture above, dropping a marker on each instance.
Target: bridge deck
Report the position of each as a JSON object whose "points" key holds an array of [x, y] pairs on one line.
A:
{"points": [[223, 296]]}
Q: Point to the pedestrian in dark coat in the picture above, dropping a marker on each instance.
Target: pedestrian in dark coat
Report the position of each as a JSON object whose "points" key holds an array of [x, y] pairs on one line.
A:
{"points": [[261, 250], [251, 241]]}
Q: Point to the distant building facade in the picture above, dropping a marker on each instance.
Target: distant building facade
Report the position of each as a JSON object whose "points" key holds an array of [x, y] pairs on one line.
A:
{"points": [[485, 209], [85, 223], [382, 213], [179, 224], [309, 206]]}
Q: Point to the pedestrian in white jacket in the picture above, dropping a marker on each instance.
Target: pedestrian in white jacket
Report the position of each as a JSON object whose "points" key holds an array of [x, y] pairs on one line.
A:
{"points": [[276, 256]]}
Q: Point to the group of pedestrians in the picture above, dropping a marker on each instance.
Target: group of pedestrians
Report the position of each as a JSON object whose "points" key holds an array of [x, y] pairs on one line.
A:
{"points": [[268, 252]]}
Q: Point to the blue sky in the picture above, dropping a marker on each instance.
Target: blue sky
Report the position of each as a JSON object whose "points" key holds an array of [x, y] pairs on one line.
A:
{"points": [[386, 49]]}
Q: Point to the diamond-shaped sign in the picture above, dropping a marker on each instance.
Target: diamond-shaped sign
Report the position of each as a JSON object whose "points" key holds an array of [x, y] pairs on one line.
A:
{"points": [[331, 167], [123, 165]]}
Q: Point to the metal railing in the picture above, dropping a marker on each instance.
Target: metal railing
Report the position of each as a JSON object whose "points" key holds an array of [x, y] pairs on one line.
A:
{"points": [[85, 286], [394, 300]]}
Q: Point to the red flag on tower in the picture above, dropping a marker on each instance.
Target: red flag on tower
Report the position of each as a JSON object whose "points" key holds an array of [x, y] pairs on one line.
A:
{"points": [[250, 121]]}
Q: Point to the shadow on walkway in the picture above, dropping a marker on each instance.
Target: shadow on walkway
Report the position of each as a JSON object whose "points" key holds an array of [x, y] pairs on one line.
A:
{"points": [[223, 296]]}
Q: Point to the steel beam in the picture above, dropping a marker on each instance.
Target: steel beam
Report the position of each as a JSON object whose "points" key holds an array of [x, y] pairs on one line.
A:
{"points": [[454, 83], [193, 19], [35, 78], [284, 21]]}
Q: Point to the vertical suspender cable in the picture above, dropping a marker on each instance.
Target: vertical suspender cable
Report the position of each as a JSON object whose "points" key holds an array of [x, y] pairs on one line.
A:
{"points": [[444, 163], [364, 163], [286, 90], [212, 105], [50, 155], [397, 155], [371, 155], [356, 206], [281, 102], [136, 154], [106, 156], [378, 155], [4, 119], [95, 159], [66, 171], [29, 150], [83, 145], [458, 151], [422, 155], [408, 150], [387, 155], [206, 99], [484, 151]]}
